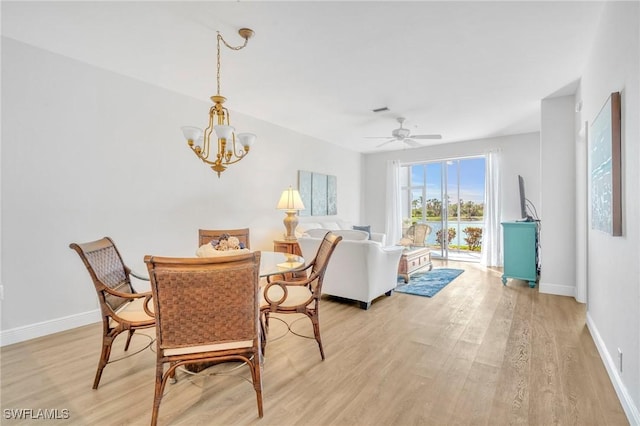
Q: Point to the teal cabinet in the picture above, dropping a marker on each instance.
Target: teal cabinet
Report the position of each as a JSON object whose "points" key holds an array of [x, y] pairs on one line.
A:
{"points": [[520, 251]]}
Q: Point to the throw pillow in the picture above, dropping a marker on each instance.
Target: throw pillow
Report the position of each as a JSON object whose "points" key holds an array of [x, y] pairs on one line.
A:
{"points": [[365, 228]]}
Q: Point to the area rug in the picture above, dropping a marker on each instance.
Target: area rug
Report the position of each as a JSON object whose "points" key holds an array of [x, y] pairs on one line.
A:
{"points": [[428, 283]]}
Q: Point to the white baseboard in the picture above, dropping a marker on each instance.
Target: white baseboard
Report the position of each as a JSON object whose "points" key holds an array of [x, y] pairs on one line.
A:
{"points": [[28, 332], [557, 289], [630, 409]]}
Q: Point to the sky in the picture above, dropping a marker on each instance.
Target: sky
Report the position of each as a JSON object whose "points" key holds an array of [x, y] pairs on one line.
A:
{"points": [[471, 172]]}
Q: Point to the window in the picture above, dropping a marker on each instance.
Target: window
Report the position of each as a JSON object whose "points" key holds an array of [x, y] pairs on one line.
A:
{"points": [[446, 195]]}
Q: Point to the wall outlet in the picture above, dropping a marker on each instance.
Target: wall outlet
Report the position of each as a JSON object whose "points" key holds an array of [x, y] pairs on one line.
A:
{"points": [[620, 359]]}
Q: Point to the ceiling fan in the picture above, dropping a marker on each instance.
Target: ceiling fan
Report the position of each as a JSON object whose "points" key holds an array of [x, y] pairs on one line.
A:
{"points": [[403, 134]]}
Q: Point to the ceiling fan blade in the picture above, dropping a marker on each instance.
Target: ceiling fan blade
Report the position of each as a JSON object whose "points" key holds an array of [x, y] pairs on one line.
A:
{"points": [[384, 143], [376, 137], [412, 143], [426, 136]]}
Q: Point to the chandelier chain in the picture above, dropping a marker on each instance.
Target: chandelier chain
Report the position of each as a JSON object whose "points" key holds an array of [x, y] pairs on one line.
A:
{"points": [[246, 40]]}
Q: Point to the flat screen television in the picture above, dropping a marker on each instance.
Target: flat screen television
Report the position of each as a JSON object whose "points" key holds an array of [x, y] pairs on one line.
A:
{"points": [[523, 201]]}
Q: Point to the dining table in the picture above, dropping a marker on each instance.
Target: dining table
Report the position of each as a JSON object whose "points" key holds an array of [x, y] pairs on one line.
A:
{"points": [[271, 262], [277, 263]]}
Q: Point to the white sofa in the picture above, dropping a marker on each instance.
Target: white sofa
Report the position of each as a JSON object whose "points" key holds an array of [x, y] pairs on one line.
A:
{"points": [[335, 225], [360, 269]]}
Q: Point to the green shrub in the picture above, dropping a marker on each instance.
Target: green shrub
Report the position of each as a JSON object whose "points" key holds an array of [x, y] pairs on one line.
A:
{"points": [[473, 238], [450, 236]]}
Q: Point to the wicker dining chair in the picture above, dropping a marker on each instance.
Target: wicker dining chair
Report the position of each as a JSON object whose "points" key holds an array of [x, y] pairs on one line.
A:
{"points": [[206, 235], [207, 312], [122, 308], [300, 296]]}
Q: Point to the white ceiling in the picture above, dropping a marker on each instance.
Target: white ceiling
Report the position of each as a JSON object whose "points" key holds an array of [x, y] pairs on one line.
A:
{"points": [[466, 70]]}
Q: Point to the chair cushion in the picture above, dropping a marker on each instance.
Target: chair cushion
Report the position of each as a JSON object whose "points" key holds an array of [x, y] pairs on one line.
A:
{"points": [[296, 295], [209, 348], [405, 241], [132, 311]]}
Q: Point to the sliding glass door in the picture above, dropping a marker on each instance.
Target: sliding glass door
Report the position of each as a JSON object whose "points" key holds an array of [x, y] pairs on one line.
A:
{"points": [[448, 196]]}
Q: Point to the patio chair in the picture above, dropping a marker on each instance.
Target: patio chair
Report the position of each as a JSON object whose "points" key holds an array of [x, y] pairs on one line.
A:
{"points": [[207, 310], [121, 307], [418, 234], [303, 296]]}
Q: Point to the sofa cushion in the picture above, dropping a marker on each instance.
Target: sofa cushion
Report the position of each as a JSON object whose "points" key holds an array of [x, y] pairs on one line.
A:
{"points": [[317, 233], [365, 228], [345, 225], [346, 234], [303, 227], [330, 225], [352, 234]]}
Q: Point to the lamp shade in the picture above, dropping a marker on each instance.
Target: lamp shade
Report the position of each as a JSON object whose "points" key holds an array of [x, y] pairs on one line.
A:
{"points": [[290, 200], [246, 139], [191, 133], [200, 141], [224, 131]]}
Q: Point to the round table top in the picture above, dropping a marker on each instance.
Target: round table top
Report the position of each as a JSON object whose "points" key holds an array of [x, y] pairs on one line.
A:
{"points": [[272, 263]]}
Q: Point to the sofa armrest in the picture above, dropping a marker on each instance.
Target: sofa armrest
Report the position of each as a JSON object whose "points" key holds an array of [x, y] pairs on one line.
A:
{"points": [[393, 249], [378, 237]]}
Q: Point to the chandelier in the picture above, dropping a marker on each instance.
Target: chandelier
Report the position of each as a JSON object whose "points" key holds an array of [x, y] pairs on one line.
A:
{"points": [[219, 126]]}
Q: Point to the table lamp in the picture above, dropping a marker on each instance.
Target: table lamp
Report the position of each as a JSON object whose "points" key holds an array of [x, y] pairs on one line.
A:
{"points": [[290, 202]]}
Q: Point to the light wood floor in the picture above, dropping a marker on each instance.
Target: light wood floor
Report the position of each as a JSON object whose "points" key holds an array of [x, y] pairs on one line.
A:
{"points": [[477, 353]]}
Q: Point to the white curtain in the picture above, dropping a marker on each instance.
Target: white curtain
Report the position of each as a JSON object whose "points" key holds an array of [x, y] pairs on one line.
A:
{"points": [[491, 240], [393, 225]]}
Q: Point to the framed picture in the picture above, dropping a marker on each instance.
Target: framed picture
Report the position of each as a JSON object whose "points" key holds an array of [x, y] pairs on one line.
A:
{"points": [[605, 156], [304, 188], [319, 193], [332, 195]]}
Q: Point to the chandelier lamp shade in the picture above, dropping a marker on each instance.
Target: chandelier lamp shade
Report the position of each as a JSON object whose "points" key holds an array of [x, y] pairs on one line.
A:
{"points": [[290, 202], [219, 145]]}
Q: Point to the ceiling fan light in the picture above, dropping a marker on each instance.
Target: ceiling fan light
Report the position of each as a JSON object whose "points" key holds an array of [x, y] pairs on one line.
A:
{"points": [[401, 133]]}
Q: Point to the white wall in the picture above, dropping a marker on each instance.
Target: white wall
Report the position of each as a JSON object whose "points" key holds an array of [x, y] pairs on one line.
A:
{"points": [[520, 155], [88, 153], [613, 268], [557, 207]]}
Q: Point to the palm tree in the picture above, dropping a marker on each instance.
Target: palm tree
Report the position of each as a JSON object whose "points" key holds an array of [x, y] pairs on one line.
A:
{"points": [[416, 207]]}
